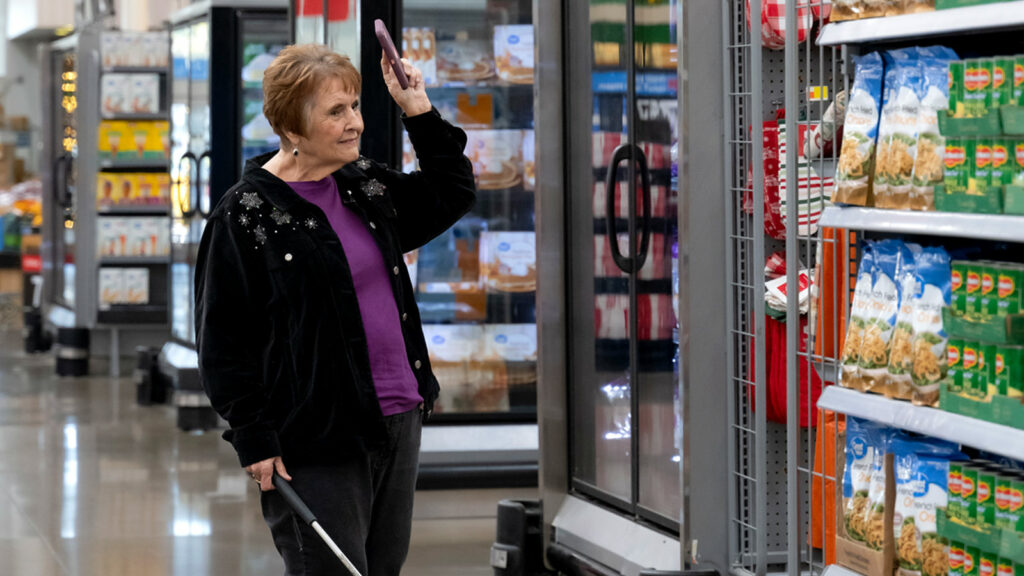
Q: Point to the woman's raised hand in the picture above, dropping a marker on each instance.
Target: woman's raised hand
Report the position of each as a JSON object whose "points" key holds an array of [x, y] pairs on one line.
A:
{"points": [[413, 100]]}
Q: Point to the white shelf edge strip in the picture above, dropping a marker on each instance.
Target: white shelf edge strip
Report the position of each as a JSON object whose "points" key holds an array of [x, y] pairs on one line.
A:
{"points": [[972, 432], [969, 19], [981, 226]]}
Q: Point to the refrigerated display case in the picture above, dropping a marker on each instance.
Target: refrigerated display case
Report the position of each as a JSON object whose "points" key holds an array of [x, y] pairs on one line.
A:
{"points": [[219, 50], [475, 284], [106, 203], [629, 253]]}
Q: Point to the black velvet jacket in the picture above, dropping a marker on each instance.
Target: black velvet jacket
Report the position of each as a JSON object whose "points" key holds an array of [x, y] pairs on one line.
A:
{"points": [[282, 350]]}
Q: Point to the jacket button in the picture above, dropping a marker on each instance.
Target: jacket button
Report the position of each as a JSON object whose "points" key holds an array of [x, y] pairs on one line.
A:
{"points": [[395, 270], [417, 364], [373, 226], [405, 316], [349, 192], [287, 257]]}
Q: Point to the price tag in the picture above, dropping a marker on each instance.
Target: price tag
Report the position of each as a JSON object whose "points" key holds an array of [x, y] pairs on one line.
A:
{"points": [[817, 93]]}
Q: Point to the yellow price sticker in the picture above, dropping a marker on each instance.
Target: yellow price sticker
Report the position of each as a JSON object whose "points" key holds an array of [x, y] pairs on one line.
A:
{"points": [[817, 93]]}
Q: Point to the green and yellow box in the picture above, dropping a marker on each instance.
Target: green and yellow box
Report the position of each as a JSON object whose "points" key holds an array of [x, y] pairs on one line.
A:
{"points": [[958, 286], [969, 373], [1002, 81], [972, 301], [1009, 371], [955, 370], [1018, 80], [977, 87], [1002, 169], [989, 296], [959, 157], [981, 169], [957, 108], [1009, 282], [983, 378], [985, 507], [972, 560]]}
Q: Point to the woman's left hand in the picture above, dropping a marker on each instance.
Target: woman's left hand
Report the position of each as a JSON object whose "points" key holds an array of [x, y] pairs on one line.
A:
{"points": [[413, 100]]}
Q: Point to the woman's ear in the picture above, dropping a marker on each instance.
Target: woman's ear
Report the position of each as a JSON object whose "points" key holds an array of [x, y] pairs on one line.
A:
{"points": [[289, 139]]}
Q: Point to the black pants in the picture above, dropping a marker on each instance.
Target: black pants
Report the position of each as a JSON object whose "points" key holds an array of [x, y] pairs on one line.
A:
{"points": [[364, 504]]}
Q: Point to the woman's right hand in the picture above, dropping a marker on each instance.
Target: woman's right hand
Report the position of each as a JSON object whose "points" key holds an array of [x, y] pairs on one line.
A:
{"points": [[263, 472]]}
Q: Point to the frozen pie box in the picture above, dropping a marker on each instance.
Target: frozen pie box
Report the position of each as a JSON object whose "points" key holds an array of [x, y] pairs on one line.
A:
{"points": [[469, 382], [464, 61], [513, 53], [497, 157], [508, 261]]}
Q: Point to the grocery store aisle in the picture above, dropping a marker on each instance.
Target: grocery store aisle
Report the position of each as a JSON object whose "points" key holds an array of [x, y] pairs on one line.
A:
{"points": [[91, 483]]}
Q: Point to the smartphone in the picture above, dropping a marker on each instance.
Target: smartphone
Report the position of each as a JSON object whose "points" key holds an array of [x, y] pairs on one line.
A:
{"points": [[389, 50]]}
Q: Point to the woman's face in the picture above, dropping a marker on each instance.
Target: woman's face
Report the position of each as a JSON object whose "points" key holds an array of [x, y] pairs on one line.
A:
{"points": [[335, 125]]}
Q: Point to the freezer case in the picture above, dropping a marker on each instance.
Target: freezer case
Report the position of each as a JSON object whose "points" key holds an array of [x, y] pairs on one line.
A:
{"points": [[219, 51]]}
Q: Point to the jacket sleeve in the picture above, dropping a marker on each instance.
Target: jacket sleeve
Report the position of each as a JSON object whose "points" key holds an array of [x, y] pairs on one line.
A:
{"points": [[432, 199], [231, 333]]}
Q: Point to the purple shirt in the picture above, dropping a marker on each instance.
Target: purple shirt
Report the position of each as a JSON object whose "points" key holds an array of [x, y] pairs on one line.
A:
{"points": [[397, 389]]}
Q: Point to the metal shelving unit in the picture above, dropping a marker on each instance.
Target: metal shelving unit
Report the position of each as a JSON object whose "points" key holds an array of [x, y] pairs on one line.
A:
{"points": [[977, 226], [73, 213], [996, 17], [964, 430]]}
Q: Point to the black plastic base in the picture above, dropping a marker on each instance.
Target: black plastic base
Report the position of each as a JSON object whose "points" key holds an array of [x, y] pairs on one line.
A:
{"points": [[467, 477]]}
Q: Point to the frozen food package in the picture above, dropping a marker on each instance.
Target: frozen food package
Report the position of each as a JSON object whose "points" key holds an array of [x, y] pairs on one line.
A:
{"points": [[856, 160], [529, 161], [928, 347], [881, 320], [145, 93], [511, 342], [921, 467], [860, 309], [420, 47], [900, 355], [115, 94], [107, 191], [469, 381], [497, 157], [136, 286], [931, 146], [112, 289], [897, 130], [464, 62], [513, 53], [508, 261], [918, 6], [137, 237], [256, 57]]}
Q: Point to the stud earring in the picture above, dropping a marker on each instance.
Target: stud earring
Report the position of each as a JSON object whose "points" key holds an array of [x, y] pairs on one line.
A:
{"points": [[295, 151]]}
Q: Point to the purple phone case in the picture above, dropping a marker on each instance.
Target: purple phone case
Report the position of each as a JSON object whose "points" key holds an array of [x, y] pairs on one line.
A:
{"points": [[389, 49]]}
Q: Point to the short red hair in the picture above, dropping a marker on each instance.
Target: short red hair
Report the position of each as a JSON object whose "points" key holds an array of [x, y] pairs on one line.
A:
{"points": [[291, 81]]}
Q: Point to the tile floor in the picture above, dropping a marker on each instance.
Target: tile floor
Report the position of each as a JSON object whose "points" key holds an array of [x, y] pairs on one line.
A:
{"points": [[93, 484]]}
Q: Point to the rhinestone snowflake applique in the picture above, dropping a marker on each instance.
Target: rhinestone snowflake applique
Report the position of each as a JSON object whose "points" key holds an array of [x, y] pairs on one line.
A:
{"points": [[261, 235], [251, 200], [244, 220], [363, 164], [281, 218], [373, 188], [311, 223]]}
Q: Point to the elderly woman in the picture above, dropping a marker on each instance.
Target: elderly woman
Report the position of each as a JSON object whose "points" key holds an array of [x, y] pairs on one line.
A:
{"points": [[310, 343]]}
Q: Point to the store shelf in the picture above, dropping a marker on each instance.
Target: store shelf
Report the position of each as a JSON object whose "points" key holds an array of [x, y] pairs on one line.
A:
{"points": [[10, 259], [158, 210], [978, 226], [136, 117], [135, 70], [125, 314], [135, 261], [109, 164], [979, 434], [970, 20]]}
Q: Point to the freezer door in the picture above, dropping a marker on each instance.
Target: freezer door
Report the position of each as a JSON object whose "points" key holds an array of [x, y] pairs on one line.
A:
{"points": [[476, 284], [262, 37]]}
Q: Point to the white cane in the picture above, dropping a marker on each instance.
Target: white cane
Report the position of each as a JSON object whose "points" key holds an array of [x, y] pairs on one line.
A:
{"points": [[300, 508]]}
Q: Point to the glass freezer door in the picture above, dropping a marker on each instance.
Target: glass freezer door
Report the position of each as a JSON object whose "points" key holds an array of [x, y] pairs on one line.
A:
{"points": [[262, 38], [476, 284], [624, 408], [182, 181]]}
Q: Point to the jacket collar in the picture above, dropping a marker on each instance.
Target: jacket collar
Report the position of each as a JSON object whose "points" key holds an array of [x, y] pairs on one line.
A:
{"points": [[281, 195]]}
